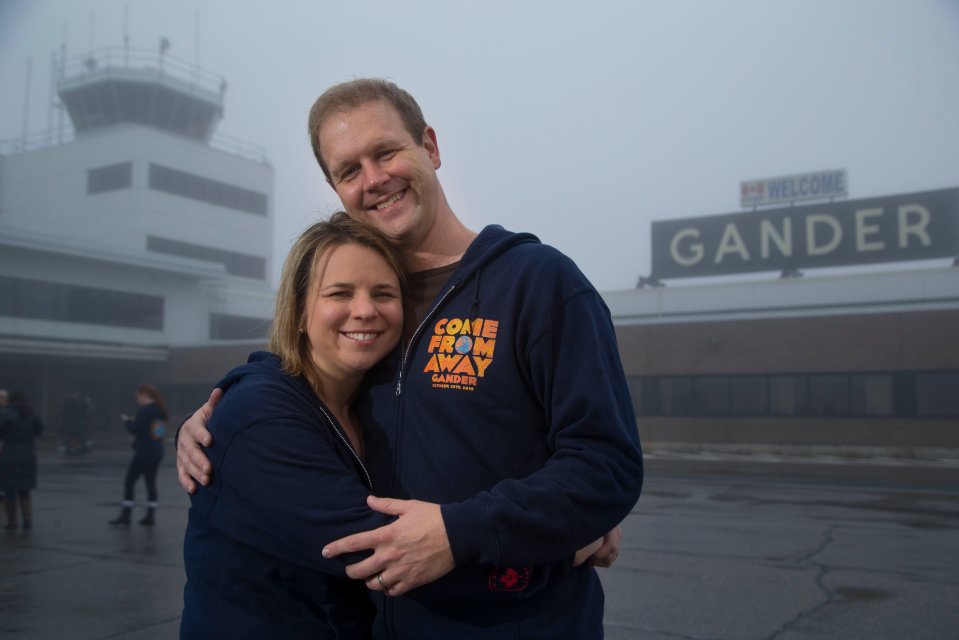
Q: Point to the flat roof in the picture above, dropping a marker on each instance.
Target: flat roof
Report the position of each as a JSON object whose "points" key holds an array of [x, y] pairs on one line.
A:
{"points": [[840, 294]]}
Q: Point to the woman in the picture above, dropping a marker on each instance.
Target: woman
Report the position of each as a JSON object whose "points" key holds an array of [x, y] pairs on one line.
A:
{"points": [[147, 428], [289, 451], [18, 459]]}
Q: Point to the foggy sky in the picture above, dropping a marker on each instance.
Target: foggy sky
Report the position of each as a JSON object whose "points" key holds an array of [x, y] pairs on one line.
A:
{"points": [[581, 122]]}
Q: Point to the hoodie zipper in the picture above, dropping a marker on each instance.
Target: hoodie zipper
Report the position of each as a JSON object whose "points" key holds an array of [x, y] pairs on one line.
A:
{"points": [[346, 442], [406, 352]]}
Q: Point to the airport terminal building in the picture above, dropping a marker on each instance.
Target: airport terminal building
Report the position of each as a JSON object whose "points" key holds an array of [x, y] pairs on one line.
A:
{"points": [[836, 354]]}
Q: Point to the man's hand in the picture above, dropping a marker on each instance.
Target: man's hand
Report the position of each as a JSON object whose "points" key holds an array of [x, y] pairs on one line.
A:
{"points": [[587, 552], [192, 464], [408, 553], [606, 555]]}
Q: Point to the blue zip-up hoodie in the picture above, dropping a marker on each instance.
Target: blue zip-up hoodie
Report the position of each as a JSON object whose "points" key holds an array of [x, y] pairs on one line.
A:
{"points": [[510, 409], [286, 482]]}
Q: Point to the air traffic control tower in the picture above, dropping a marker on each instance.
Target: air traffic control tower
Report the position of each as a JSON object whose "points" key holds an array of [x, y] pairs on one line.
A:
{"points": [[111, 90], [131, 233]]}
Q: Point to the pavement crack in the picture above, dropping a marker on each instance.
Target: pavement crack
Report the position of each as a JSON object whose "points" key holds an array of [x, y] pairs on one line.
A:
{"points": [[822, 571], [827, 539]]}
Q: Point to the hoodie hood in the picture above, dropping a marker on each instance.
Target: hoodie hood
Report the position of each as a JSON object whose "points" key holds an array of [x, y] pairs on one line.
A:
{"points": [[492, 242], [261, 363], [258, 363]]}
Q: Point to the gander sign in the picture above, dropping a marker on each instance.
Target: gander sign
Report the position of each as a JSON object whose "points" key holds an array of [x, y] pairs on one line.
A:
{"points": [[914, 226]]}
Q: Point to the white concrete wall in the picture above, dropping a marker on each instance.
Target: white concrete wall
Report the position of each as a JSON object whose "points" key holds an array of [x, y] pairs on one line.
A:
{"points": [[51, 229], [44, 191]]}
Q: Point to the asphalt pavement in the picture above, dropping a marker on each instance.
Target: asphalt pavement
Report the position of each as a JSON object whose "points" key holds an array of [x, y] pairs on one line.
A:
{"points": [[719, 546]]}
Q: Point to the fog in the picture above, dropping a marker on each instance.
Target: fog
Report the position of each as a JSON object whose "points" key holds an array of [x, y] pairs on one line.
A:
{"points": [[579, 122]]}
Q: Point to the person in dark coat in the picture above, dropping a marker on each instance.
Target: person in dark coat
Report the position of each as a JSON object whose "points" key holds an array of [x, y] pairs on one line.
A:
{"points": [[18, 458], [148, 429]]}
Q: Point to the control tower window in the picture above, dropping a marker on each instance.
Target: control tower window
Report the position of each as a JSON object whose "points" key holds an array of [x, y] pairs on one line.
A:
{"points": [[110, 178]]}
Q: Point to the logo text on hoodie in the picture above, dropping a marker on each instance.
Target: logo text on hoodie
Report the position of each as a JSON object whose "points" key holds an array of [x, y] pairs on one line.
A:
{"points": [[461, 350]]}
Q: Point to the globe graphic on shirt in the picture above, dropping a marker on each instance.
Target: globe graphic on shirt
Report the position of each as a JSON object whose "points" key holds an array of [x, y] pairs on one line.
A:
{"points": [[463, 344]]}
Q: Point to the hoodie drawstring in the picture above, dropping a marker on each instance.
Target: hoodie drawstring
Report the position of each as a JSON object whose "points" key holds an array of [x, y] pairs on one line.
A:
{"points": [[474, 303]]}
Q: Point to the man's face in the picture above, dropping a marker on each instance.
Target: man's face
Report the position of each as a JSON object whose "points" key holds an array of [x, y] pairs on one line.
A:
{"points": [[383, 175]]}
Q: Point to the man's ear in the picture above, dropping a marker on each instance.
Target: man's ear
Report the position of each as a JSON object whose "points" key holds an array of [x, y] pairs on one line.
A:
{"points": [[432, 148]]}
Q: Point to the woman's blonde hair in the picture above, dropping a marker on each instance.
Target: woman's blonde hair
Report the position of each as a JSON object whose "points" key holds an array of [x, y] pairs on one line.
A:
{"points": [[288, 340]]}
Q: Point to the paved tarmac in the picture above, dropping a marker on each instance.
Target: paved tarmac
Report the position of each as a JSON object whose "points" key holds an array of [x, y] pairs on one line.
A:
{"points": [[718, 547]]}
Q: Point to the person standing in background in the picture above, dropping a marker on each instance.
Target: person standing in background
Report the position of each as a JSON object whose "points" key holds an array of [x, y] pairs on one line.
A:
{"points": [[19, 428], [148, 429]]}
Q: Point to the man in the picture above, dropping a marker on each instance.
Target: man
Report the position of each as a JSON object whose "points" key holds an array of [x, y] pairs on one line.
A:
{"points": [[506, 415]]}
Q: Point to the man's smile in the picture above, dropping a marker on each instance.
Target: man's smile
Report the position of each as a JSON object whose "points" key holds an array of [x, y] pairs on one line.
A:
{"points": [[390, 201]]}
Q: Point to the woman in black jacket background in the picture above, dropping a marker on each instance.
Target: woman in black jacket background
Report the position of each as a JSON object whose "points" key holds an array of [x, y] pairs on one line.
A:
{"points": [[148, 429]]}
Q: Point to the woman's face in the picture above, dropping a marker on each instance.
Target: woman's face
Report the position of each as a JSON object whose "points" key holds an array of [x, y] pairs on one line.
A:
{"points": [[143, 399], [355, 314]]}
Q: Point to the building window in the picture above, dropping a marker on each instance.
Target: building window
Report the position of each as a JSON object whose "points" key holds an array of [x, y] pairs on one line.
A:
{"points": [[854, 395], [711, 396], [227, 327], [39, 300], [829, 395], [788, 396], [872, 395], [237, 264], [110, 178], [748, 396], [937, 394], [196, 187], [676, 396]]}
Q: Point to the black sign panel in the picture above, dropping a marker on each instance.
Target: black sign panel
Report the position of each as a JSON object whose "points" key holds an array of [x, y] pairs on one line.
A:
{"points": [[912, 226]]}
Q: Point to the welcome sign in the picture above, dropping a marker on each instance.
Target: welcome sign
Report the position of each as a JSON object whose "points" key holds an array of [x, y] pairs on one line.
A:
{"points": [[785, 189]]}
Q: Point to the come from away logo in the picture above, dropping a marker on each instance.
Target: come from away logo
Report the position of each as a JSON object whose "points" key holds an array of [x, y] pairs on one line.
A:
{"points": [[461, 350]]}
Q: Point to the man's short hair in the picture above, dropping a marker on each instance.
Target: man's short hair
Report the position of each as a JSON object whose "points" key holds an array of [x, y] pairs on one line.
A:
{"points": [[350, 95]]}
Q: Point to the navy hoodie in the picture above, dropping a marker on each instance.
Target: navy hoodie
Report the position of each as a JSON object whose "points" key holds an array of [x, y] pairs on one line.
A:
{"points": [[510, 408], [286, 483]]}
